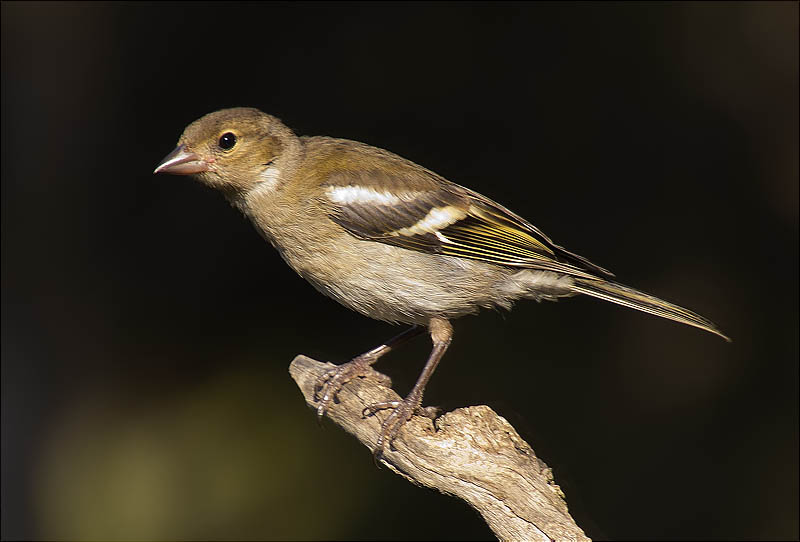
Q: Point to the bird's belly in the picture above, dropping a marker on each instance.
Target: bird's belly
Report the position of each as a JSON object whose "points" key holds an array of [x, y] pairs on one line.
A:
{"points": [[399, 285]]}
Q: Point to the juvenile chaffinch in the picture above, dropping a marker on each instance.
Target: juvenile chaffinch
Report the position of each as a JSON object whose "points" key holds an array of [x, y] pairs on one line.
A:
{"points": [[387, 238]]}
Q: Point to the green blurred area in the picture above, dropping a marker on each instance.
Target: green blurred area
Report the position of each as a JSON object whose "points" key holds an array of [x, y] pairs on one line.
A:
{"points": [[223, 460], [147, 329]]}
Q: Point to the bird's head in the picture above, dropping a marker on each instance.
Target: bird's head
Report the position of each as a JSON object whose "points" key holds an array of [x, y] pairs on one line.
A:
{"points": [[231, 150]]}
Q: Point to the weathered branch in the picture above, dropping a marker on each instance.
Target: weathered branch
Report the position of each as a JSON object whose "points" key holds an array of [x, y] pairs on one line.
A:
{"points": [[471, 453]]}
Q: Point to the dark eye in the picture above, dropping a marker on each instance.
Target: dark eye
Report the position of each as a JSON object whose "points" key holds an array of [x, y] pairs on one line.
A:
{"points": [[227, 141]]}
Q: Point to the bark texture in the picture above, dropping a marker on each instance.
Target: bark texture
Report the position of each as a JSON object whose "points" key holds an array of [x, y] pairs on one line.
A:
{"points": [[470, 453]]}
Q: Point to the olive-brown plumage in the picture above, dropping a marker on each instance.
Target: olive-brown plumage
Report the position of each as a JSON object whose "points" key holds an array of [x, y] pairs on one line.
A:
{"points": [[387, 237]]}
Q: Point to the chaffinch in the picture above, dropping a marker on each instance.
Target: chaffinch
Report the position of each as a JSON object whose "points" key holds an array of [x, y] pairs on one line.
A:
{"points": [[387, 238]]}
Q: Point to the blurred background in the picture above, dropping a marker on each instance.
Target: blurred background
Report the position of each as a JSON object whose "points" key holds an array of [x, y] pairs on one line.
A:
{"points": [[147, 328]]}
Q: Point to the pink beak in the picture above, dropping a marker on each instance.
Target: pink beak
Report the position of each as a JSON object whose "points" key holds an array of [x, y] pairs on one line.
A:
{"points": [[181, 162]]}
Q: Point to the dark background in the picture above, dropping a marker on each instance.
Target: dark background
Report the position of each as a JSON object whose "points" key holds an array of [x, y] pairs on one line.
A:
{"points": [[147, 329]]}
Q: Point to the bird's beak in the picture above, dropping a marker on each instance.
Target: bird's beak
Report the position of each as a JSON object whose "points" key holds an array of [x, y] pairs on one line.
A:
{"points": [[181, 162]]}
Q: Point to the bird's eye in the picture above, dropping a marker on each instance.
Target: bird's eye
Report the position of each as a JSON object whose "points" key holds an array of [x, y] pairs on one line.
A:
{"points": [[227, 141]]}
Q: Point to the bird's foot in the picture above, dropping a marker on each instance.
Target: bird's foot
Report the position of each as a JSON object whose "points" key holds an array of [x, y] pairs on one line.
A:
{"points": [[330, 384], [402, 412]]}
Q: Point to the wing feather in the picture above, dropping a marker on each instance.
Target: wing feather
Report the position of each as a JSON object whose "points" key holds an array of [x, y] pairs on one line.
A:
{"points": [[444, 218]]}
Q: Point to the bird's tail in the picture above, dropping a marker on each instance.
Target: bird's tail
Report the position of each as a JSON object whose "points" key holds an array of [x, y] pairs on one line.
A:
{"points": [[628, 297]]}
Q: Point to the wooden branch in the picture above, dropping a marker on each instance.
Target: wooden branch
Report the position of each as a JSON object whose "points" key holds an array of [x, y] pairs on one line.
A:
{"points": [[471, 453]]}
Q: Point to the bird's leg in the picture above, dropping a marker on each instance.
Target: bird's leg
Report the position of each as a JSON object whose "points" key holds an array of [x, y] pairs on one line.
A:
{"points": [[330, 383], [441, 334]]}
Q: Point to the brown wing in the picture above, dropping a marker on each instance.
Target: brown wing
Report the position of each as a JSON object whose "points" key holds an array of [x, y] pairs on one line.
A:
{"points": [[430, 214]]}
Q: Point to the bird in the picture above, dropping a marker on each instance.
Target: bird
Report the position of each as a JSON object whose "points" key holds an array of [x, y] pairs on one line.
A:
{"points": [[388, 239]]}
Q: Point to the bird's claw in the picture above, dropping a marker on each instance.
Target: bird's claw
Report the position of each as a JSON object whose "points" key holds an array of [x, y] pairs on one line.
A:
{"points": [[332, 381], [329, 385], [402, 412]]}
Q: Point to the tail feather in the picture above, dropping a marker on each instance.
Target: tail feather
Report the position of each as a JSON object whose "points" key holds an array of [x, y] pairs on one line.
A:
{"points": [[628, 297]]}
